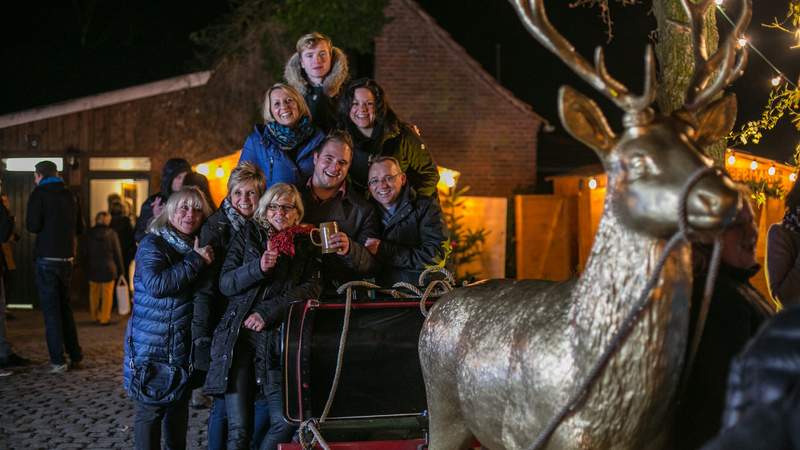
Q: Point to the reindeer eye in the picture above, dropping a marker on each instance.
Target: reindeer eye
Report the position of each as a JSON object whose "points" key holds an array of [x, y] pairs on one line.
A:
{"points": [[637, 167]]}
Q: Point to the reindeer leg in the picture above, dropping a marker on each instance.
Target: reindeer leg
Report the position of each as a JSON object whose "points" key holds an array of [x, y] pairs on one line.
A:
{"points": [[447, 428]]}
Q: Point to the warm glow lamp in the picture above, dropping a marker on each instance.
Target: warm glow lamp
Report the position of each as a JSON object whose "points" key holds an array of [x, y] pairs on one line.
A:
{"points": [[448, 178], [203, 169]]}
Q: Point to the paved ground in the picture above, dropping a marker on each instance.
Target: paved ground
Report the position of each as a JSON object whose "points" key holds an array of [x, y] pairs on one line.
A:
{"points": [[85, 408]]}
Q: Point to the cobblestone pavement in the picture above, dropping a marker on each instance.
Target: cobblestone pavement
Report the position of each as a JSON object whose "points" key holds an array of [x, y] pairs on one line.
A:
{"points": [[84, 408]]}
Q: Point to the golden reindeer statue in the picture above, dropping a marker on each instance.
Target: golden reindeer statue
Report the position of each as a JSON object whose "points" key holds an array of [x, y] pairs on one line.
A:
{"points": [[507, 361]]}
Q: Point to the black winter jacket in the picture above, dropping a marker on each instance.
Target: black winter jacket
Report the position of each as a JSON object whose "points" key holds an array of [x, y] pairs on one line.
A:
{"points": [[357, 218], [412, 238], [733, 318], [102, 255], [249, 290], [209, 303], [397, 139], [762, 408], [54, 215], [160, 324]]}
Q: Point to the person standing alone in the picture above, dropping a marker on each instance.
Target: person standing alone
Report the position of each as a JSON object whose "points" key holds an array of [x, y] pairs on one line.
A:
{"points": [[53, 214]]}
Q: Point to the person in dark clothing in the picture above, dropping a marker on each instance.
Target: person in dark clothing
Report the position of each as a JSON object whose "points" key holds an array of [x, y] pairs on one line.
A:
{"points": [[200, 180], [413, 230], [54, 215], [103, 264], [318, 70], [762, 408], [7, 356], [735, 313], [282, 147], [364, 111], [783, 252], [245, 186], [157, 371], [270, 264], [172, 175], [328, 198], [121, 224]]}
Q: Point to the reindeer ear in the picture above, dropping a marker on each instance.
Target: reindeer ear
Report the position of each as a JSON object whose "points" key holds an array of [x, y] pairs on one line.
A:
{"points": [[716, 121], [584, 121]]}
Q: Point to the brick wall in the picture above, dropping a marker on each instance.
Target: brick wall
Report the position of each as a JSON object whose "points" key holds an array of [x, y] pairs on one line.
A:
{"points": [[470, 122]]}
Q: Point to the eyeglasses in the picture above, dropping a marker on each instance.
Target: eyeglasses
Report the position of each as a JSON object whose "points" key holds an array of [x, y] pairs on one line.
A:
{"points": [[274, 207], [388, 179]]}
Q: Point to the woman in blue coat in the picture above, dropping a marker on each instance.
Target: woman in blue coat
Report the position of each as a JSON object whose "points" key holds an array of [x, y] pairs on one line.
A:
{"points": [[158, 341], [283, 147]]}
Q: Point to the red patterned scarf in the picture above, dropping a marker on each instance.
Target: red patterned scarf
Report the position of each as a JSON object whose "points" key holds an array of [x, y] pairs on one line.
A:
{"points": [[283, 241]]}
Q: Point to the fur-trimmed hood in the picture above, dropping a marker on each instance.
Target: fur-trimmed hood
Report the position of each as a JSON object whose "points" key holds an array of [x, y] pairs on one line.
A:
{"points": [[295, 75]]}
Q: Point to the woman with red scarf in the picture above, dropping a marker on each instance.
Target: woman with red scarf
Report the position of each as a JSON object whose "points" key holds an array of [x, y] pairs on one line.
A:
{"points": [[269, 265]]}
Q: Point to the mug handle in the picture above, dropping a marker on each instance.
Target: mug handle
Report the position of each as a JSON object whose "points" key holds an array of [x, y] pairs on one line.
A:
{"points": [[318, 243]]}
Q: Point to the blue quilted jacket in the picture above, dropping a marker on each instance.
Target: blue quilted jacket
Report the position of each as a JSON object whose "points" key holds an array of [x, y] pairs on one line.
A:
{"points": [[276, 164], [161, 322]]}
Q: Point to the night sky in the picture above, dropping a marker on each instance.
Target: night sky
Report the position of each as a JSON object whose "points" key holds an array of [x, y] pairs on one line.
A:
{"points": [[61, 52]]}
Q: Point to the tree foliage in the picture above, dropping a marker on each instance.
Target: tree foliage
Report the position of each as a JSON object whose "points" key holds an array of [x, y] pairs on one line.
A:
{"points": [[784, 100], [273, 26]]}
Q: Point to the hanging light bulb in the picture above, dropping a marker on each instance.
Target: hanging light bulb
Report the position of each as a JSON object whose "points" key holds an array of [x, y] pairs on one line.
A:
{"points": [[776, 81], [771, 170], [731, 158], [592, 183], [792, 177], [753, 165], [220, 172], [718, 2], [742, 41], [203, 169]]}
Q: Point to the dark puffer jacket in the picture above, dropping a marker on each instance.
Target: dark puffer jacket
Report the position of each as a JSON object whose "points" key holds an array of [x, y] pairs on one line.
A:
{"points": [[762, 409], [102, 256], [160, 325], [209, 303], [412, 238], [172, 168], [249, 290], [399, 140]]}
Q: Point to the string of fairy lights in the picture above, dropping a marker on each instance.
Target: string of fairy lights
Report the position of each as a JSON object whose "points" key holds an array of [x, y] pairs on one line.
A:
{"points": [[779, 74]]}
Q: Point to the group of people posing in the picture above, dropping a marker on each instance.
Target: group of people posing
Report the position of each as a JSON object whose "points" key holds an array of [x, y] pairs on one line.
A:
{"points": [[211, 288]]}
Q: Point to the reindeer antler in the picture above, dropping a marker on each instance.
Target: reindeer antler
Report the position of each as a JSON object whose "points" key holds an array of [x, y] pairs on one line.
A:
{"points": [[533, 16], [723, 62]]}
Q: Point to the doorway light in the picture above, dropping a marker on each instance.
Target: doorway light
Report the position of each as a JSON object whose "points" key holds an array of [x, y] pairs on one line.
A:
{"points": [[27, 164]]}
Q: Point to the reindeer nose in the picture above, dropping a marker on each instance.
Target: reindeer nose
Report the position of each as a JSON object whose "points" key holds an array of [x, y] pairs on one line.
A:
{"points": [[709, 202]]}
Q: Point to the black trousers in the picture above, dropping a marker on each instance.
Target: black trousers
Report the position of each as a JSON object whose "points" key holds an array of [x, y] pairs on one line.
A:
{"points": [[173, 419]]}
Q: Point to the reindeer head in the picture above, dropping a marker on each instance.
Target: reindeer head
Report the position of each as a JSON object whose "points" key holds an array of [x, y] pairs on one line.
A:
{"points": [[650, 162]]}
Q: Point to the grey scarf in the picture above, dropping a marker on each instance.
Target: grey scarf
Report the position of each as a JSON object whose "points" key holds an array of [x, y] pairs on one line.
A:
{"points": [[237, 220], [174, 239]]}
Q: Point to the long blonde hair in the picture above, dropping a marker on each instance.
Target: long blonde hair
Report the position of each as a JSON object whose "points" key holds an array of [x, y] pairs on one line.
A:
{"points": [[190, 195]]}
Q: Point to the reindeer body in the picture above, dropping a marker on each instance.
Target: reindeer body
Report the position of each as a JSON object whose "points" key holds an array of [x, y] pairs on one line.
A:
{"points": [[505, 355], [502, 359]]}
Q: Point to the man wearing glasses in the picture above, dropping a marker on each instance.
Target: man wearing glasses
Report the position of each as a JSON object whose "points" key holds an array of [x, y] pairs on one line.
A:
{"points": [[412, 225], [327, 198]]}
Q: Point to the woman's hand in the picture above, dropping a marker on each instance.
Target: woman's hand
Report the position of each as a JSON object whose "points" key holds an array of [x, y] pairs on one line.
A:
{"points": [[372, 245], [268, 258], [207, 252], [254, 322]]}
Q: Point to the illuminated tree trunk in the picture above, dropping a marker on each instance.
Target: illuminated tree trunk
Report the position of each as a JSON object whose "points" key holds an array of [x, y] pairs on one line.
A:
{"points": [[676, 60]]}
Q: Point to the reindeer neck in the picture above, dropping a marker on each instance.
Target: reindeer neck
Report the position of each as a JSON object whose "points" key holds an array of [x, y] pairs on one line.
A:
{"points": [[619, 266]]}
